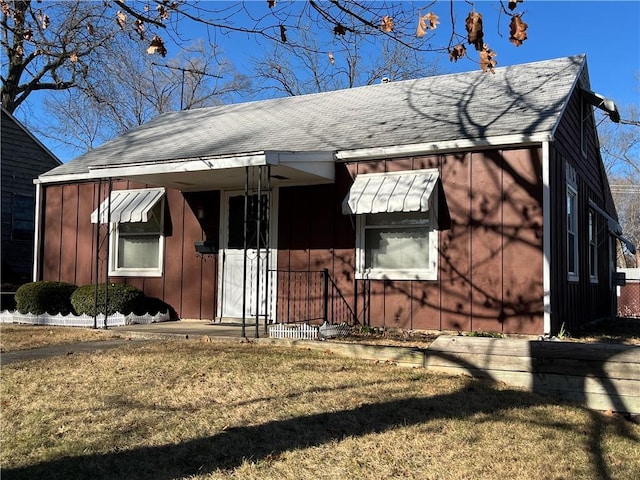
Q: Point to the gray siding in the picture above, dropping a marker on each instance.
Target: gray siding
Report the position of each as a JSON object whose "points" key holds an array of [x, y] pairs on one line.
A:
{"points": [[23, 159]]}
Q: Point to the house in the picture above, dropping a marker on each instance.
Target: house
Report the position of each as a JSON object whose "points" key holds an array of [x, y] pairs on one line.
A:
{"points": [[629, 293], [23, 159], [457, 202]]}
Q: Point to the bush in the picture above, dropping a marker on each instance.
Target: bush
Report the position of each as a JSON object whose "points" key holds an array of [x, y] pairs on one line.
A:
{"points": [[121, 298], [153, 306], [45, 297]]}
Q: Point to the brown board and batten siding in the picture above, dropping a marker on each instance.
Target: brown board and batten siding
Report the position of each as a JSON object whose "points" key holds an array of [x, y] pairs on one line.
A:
{"points": [[490, 260], [189, 283], [314, 235], [575, 303]]}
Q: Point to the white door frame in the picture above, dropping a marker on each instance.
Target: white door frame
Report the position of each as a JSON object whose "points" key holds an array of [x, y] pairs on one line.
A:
{"points": [[273, 252]]}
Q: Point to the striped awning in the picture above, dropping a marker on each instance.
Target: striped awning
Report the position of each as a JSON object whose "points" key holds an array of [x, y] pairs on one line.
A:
{"points": [[407, 191], [128, 206]]}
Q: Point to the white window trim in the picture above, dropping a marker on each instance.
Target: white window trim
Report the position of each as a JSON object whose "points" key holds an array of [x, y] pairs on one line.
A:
{"points": [[115, 271], [363, 273], [575, 275], [593, 244]]}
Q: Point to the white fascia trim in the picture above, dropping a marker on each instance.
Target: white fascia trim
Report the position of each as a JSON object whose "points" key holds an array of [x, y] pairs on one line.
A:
{"points": [[546, 237], [69, 178], [440, 147], [194, 165], [318, 163]]}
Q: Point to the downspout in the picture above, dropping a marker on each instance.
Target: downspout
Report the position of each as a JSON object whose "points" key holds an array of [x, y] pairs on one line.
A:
{"points": [[37, 233], [546, 238]]}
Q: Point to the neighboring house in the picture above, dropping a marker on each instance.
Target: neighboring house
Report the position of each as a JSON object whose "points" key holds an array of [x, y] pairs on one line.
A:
{"points": [[629, 293], [23, 159], [457, 202]]}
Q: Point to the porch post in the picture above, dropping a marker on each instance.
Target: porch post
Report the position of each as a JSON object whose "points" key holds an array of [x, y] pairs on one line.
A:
{"points": [[97, 264], [106, 270], [325, 308], [258, 209], [268, 247], [244, 261]]}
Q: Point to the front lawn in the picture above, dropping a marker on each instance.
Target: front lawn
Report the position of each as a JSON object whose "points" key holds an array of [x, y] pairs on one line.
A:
{"points": [[215, 410]]}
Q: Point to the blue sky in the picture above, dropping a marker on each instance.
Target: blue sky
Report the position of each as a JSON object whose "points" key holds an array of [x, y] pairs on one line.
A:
{"points": [[608, 32]]}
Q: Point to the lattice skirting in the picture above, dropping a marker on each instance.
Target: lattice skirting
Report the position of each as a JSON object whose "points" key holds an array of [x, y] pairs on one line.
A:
{"points": [[307, 332], [116, 320]]}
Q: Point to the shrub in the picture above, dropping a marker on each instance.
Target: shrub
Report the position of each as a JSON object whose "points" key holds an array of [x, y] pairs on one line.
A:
{"points": [[122, 298], [45, 297], [152, 306]]}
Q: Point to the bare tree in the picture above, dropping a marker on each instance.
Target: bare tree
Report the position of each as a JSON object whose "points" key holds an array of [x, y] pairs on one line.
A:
{"points": [[620, 143], [338, 63], [626, 195], [620, 147], [53, 45], [130, 88]]}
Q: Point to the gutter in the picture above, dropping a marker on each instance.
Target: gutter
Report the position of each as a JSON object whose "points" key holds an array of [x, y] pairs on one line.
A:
{"points": [[441, 147]]}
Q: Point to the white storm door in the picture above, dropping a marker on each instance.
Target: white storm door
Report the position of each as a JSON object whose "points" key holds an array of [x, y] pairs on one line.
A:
{"points": [[233, 282]]}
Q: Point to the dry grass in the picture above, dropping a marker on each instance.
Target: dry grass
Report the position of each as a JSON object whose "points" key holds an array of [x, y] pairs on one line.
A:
{"points": [[168, 410], [23, 337]]}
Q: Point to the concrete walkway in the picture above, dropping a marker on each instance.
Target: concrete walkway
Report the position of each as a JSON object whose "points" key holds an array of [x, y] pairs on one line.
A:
{"points": [[189, 329], [176, 330]]}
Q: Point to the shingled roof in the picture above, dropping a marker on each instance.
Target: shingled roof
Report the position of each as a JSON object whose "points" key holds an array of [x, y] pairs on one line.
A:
{"points": [[526, 99]]}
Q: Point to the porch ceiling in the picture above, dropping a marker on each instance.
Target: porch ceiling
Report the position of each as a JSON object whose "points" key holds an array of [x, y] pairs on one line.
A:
{"points": [[287, 169]]}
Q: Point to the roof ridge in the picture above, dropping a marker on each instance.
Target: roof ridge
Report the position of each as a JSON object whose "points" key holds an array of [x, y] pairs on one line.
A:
{"points": [[375, 85]]}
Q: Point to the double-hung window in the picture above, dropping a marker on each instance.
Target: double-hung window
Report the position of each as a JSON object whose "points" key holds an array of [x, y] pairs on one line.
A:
{"points": [[572, 222], [137, 247], [572, 233], [22, 224], [398, 245], [397, 218], [136, 227]]}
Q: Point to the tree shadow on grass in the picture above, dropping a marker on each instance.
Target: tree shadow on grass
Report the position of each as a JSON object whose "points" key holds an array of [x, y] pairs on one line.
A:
{"points": [[228, 449]]}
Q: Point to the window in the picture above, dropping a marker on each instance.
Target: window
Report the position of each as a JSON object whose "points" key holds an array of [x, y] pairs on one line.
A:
{"points": [[137, 247], [593, 247], [22, 212], [396, 246], [236, 226], [572, 232]]}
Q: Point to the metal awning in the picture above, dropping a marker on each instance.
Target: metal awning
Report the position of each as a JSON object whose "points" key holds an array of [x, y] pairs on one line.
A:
{"points": [[614, 227], [407, 191], [128, 206]]}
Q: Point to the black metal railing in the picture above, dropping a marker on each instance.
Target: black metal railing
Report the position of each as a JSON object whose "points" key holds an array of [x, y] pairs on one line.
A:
{"points": [[310, 297]]}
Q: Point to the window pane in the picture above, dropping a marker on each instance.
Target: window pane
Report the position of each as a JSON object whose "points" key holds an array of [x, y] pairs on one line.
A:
{"points": [[572, 253], [236, 221], [397, 218], [138, 251], [152, 225], [396, 248]]}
